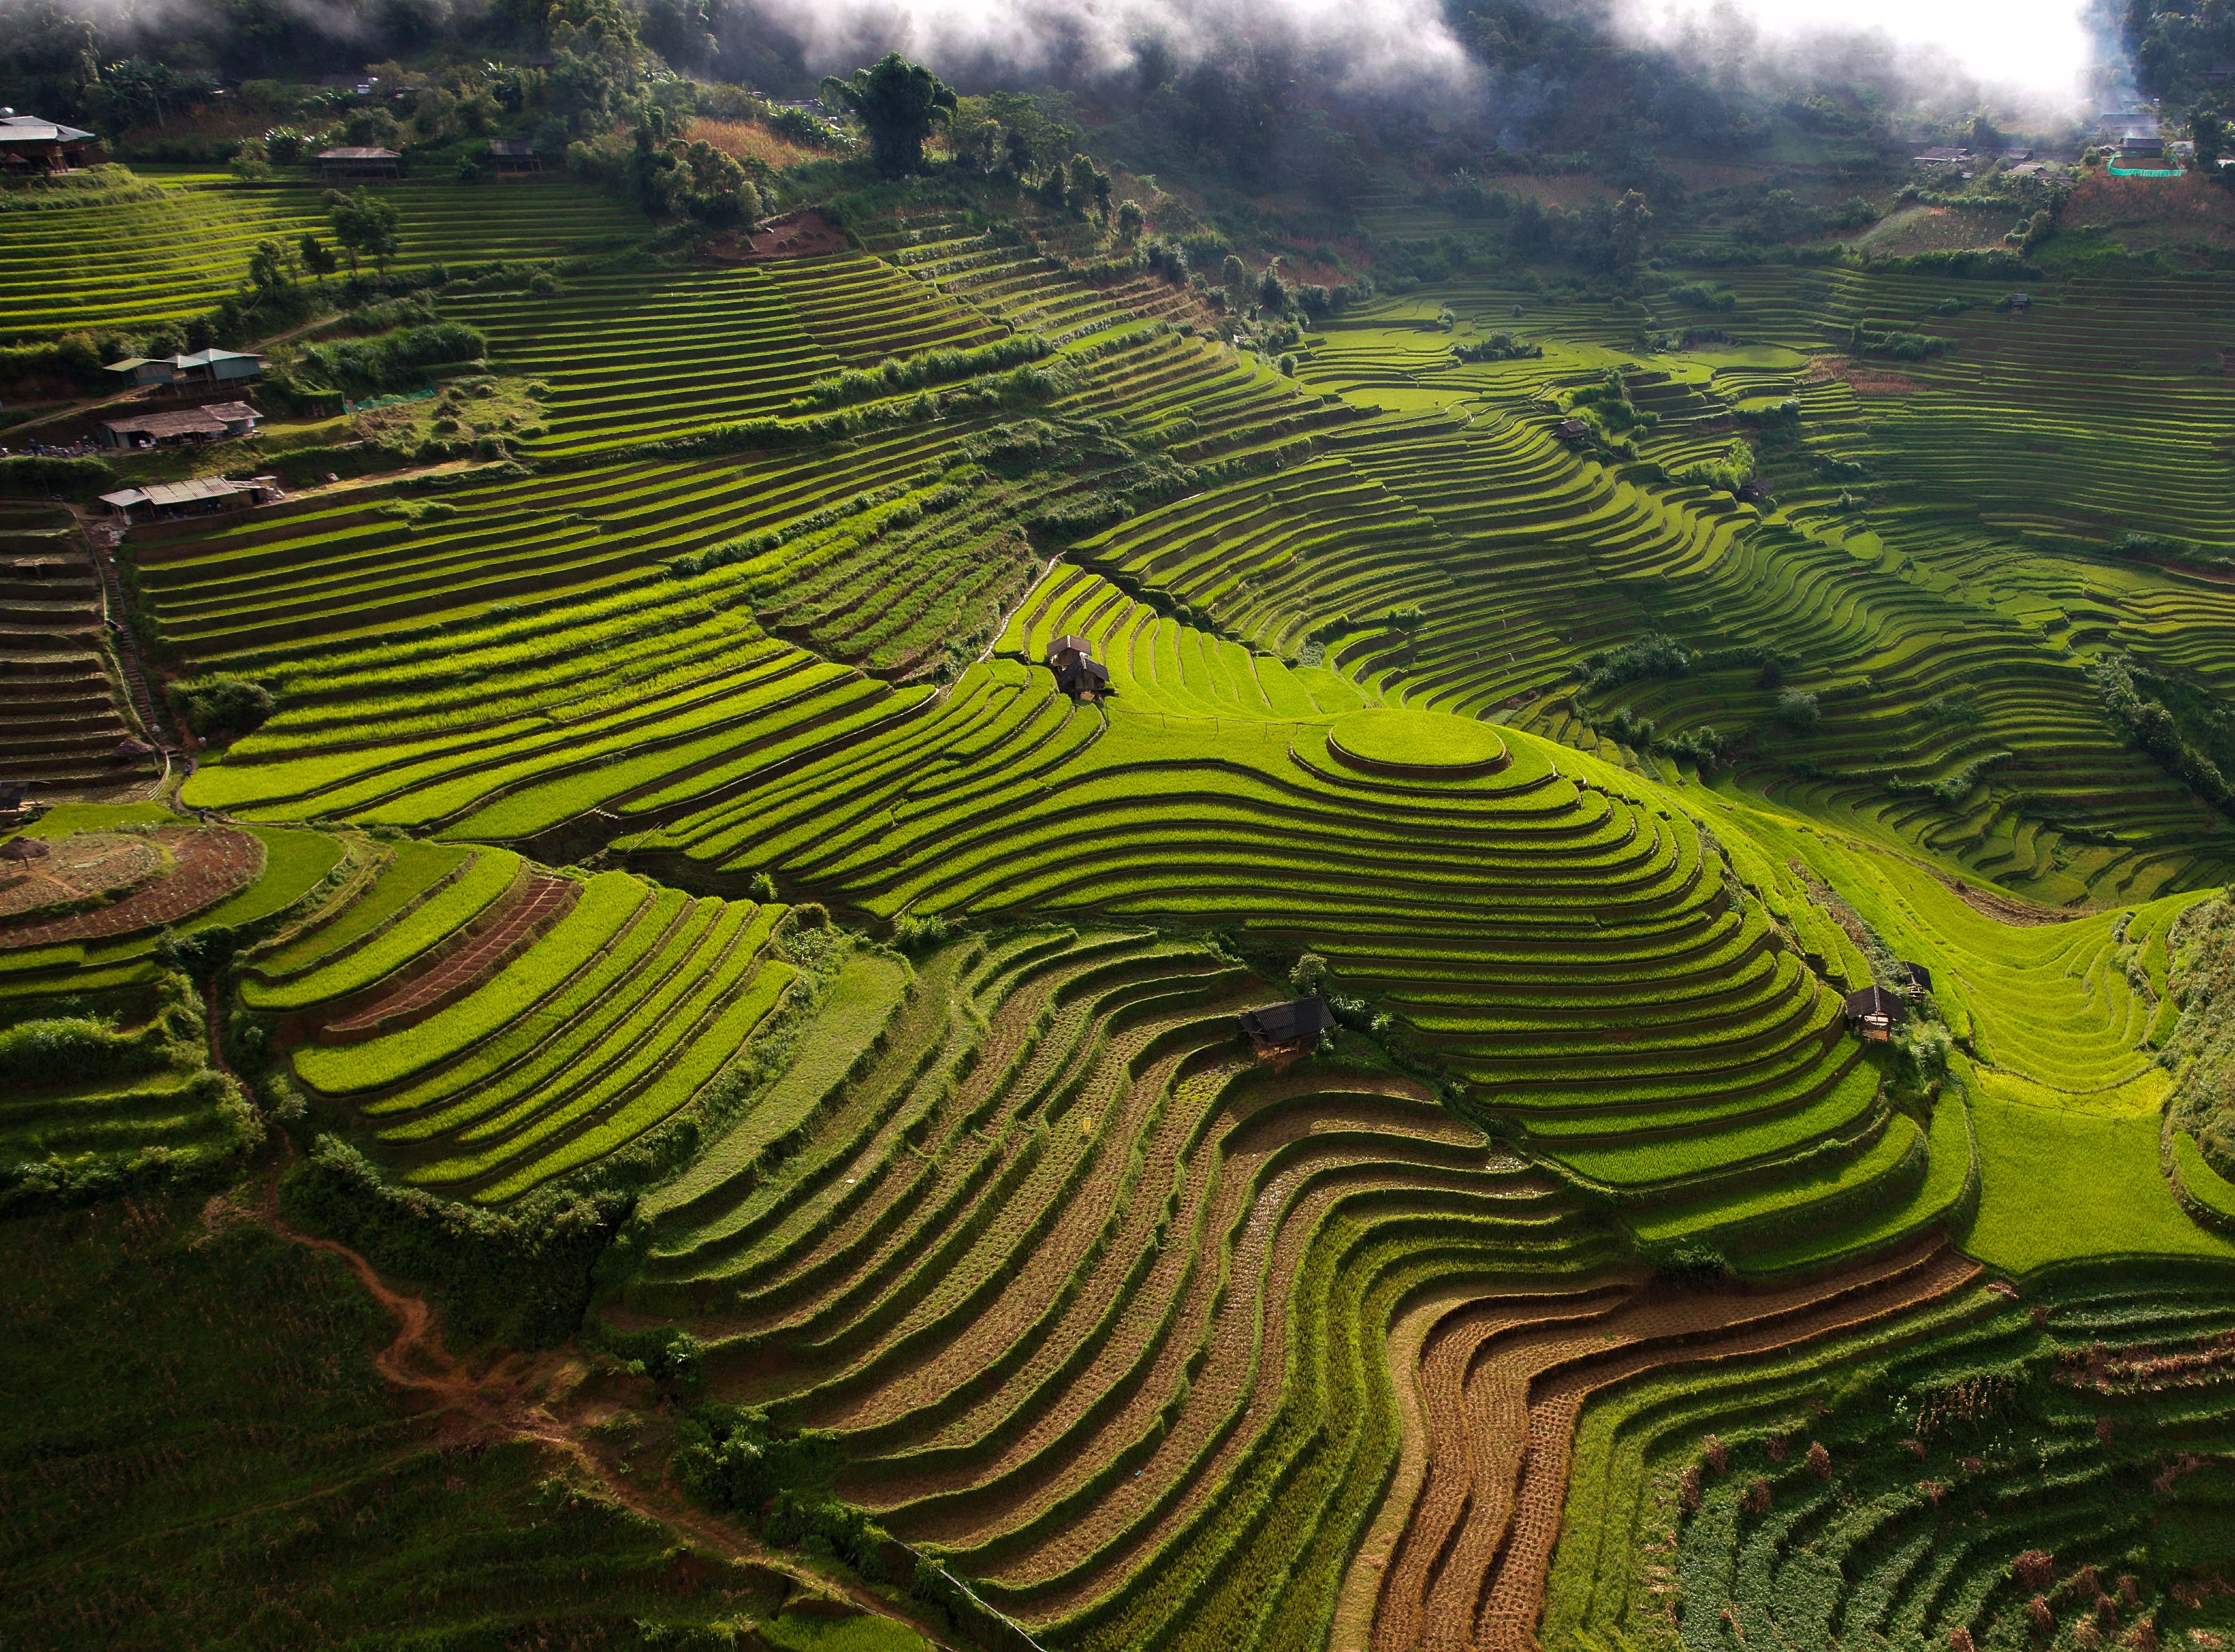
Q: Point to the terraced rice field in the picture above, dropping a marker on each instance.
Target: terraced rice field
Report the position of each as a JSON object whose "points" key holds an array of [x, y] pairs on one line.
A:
{"points": [[178, 250], [687, 818]]}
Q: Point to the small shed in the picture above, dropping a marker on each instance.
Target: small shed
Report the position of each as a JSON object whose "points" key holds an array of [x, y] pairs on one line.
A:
{"points": [[513, 154], [1920, 978], [1078, 673], [1753, 493], [357, 160], [19, 849], [29, 146], [217, 366], [1281, 1032], [179, 427], [1874, 1013], [354, 85], [1571, 429], [1942, 155], [208, 496], [145, 370], [2136, 146], [201, 367], [2022, 301]]}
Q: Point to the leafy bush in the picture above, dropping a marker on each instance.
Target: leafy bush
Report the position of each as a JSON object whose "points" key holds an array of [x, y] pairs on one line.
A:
{"points": [[1701, 295], [1499, 346], [897, 376], [2162, 546], [28, 476], [1799, 709], [2146, 724], [1727, 474], [220, 707], [524, 1275], [914, 934], [391, 361], [1899, 347], [1651, 655]]}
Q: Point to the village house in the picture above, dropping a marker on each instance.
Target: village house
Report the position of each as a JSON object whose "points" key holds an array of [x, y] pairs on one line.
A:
{"points": [[179, 426], [1282, 1032], [1873, 1013], [201, 367], [357, 160], [31, 146], [1078, 673], [208, 496], [513, 154]]}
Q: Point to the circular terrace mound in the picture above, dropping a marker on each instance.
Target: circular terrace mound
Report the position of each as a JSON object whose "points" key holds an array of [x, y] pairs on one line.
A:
{"points": [[1418, 745], [83, 869]]}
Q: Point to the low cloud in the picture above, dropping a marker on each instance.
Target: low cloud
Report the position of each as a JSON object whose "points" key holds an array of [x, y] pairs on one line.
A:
{"points": [[2018, 50], [1366, 44]]}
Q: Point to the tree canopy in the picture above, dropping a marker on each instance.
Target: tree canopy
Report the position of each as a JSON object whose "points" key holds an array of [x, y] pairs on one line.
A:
{"points": [[900, 104]]}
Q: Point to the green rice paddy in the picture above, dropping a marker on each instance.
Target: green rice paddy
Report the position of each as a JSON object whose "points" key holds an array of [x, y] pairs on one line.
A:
{"points": [[682, 823]]}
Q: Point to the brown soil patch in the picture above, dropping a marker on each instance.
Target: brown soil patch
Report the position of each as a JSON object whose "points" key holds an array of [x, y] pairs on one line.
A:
{"points": [[1502, 1382], [207, 863], [805, 233], [1863, 380], [83, 867], [751, 140], [2006, 909], [532, 907], [2188, 208]]}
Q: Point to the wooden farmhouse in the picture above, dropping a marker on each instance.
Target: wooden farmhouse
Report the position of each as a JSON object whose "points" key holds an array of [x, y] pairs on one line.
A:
{"points": [[1571, 429], [513, 154], [1078, 673], [1281, 1033], [179, 427], [1874, 1013], [357, 160], [33, 147]]}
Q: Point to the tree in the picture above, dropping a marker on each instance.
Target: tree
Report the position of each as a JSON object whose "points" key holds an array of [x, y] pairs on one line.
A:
{"points": [[251, 162], [1131, 218], [317, 257], [1234, 276], [364, 227], [1630, 218], [2209, 133], [900, 104]]}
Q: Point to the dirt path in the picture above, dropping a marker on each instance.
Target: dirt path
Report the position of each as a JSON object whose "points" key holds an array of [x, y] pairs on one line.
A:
{"points": [[536, 1396]]}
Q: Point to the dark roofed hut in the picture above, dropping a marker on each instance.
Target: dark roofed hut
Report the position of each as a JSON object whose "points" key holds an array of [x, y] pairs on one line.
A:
{"points": [[23, 849], [1571, 429], [1920, 978], [30, 144], [1078, 673], [1874, 1013], [513, 154], [1282, 1032], [358, 160]]}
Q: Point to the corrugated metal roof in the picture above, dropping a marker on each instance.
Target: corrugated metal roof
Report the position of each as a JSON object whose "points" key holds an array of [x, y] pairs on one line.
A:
{"points": [[176, 493], [29, 128], [181, 421], [350, 152]]}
